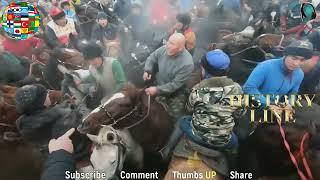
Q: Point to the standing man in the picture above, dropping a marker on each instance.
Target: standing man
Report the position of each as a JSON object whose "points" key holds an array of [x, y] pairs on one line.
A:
{"points": [[175, 66]]}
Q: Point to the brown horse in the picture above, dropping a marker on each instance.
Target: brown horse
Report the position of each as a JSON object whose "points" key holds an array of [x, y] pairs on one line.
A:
{"points": [[147, 120], [266, 154]]}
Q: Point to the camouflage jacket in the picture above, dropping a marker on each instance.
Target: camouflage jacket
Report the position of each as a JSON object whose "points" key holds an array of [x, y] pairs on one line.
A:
{"points": [[213, 117]]}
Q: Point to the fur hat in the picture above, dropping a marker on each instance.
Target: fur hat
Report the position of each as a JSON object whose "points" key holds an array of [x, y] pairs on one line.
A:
{"points": [[299, 48], [91, 50], [30, 98]]}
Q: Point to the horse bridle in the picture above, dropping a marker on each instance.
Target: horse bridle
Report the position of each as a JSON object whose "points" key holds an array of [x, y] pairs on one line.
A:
{"points": [[301, 152], [135, 109]]}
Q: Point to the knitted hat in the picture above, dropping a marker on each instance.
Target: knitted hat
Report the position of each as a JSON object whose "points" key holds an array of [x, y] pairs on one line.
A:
{"points": [[299, 48], [56, 13], [102, 15], [215, 60], [30, 98], [184, 18], [91, 50]]}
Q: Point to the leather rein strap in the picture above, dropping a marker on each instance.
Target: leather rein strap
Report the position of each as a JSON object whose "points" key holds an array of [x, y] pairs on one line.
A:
{"points": [[293, 159], [116, 121]]}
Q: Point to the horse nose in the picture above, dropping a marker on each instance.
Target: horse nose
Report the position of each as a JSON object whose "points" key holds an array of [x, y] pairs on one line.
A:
{"points": [[82, 128], [110, 137]]}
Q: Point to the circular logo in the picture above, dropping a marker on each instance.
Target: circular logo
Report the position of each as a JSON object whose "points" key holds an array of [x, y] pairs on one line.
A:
{"points": [[308, 12], [20, 20]]}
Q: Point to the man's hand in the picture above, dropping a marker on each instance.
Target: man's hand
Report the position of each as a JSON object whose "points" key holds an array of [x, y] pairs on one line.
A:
{"points": [[63, 142], [152, 91], [146, 76]]}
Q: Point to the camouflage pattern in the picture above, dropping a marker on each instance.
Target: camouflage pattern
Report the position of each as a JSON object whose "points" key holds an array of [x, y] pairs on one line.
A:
{"points": [[175, 104], [213, 117]]}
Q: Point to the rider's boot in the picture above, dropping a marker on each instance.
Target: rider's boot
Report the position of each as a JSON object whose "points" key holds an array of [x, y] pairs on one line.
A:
{"points": [[166, 152]]}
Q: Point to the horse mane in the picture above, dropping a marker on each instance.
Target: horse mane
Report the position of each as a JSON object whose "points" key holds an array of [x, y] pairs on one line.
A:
{"points": [[134, 93]]}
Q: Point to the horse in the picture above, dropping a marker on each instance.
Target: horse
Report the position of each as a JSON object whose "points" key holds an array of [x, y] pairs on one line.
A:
{"points": [[132, 109], [112, 149], [282, 150]]}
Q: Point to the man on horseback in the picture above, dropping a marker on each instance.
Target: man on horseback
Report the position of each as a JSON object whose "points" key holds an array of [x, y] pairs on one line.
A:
{"points": [[107, 72], [175, 66], [41, 120], [279, 76], [183, 26], [59, 28], [103, 30], [213, 117]]}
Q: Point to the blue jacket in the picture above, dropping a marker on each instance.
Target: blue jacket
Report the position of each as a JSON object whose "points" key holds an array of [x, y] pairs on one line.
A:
{"points": [[270, 77]]}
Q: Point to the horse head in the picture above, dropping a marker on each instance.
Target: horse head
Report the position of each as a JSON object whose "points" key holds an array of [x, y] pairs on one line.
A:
{"points": [[108, 152], [121, 110]]}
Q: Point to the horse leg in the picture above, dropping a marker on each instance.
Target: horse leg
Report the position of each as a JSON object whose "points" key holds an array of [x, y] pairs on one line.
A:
{"points": [[180, 166]]}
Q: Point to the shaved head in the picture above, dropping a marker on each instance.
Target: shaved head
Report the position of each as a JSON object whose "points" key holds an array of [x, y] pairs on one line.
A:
{"points": [[176, 44]]}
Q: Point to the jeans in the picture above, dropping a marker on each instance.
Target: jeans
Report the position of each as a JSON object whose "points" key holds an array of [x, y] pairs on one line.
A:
{"points": [[185, 126]]}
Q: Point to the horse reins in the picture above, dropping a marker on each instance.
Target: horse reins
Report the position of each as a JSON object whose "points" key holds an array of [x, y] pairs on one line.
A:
{"points": [[293, 159], [116, 121]]}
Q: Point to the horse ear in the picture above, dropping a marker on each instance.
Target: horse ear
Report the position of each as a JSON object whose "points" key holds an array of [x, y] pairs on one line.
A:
{"points": [[93, 138]]}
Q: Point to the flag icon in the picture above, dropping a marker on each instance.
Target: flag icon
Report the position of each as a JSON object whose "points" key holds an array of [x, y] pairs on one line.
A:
{"points": [[36, 24], [24, 19], [10, 16], [24, 30], [17, 24], [24, 10], [17, 31], [24, 24]]}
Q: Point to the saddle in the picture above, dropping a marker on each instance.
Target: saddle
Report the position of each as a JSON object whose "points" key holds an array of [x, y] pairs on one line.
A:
{"points": [[214, 159]]}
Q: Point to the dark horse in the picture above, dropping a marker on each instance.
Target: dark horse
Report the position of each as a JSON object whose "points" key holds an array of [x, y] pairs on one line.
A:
{"points": [[147, 120], [265, 154]]}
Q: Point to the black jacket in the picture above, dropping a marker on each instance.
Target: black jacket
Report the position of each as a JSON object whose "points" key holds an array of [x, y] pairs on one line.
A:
{"points": [[58, 164], [99, 33], [40, 127]]}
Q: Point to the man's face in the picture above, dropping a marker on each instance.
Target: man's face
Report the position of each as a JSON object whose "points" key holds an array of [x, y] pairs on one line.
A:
{"points": [[96, 62], [103, 22], [61, 22], [294, 62], [172, 47], [178, 26], [66, 7]]}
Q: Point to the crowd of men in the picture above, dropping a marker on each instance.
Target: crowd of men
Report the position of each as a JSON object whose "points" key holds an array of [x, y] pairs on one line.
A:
{"points": [[176, 61]]}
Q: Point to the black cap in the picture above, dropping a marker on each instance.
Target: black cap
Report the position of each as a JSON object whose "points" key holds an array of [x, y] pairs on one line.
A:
{"points": [[299, 48], [91, 50]]}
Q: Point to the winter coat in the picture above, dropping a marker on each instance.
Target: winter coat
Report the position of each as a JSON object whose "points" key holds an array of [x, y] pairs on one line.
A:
{"points": [[271, 77], [58, 163], [11, 69], [41, 126], [213, 116]]}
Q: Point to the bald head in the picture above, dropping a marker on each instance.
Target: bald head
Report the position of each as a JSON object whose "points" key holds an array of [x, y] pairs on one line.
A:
{"points": [[176, 44]]}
